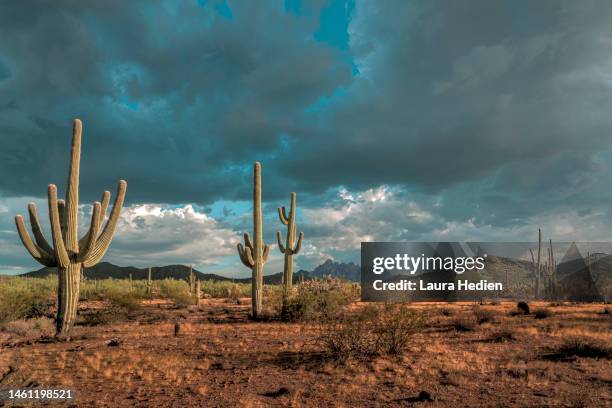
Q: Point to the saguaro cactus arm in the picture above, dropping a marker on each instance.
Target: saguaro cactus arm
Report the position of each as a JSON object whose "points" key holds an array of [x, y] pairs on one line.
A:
{"points": [[104, 240], [246, 255], [279, 238], [90, 243], [298, 244], [103, 207], [43, 257], [282, 214], [61, 254], [37, 229], [266, 252]]}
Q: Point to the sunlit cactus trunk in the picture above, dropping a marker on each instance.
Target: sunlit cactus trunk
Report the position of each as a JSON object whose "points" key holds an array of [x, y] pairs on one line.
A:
{"points": [[254, 254], [290, 247], [198, 292], [149, 283], [69, 253]]}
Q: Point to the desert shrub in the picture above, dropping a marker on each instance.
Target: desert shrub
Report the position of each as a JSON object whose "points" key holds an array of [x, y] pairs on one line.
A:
{"points": [[393, 325], [320, 299], [349, 339], [25, 298], [177, 291], [447, 311], [123, 300], [502, 335], [578, 347], [542, 313], [375, 330], [102, 289], [483, 315], [464, 323], [522, 308], [225, 289], [35, 327]]}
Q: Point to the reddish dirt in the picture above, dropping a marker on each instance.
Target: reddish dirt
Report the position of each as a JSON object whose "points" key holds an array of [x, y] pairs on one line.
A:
{"points": [[220, 358]]}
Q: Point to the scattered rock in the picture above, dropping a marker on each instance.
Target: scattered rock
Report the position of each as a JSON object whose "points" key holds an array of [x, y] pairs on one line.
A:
{"points": [[278, 393], [114, 342]]}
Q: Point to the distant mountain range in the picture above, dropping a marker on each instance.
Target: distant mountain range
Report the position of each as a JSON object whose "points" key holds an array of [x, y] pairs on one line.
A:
{"points": [[105, 270]]}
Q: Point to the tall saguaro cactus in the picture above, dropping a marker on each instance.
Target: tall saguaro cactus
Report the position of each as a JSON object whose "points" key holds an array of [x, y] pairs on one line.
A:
{"points": [[290, 248], [69, 253], [537, 267], [254, 254], [149, 283]]}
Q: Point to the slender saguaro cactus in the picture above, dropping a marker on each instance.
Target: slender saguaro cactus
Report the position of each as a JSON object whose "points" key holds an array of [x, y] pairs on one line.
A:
{"points": [[290, 248], [69, 253], [537, 265], [198, 292], [191, 280], [149, 282], [254, 254], [553, 272]]}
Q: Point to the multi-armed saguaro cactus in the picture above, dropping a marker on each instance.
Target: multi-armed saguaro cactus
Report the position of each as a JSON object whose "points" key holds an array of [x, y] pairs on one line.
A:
{"points": [[290, 248], [254, 254], [69, 253]]}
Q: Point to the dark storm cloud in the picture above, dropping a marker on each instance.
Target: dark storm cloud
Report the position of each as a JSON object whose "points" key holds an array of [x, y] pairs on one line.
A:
{"points": [[175, 97], [454, 92], [392, 119]]}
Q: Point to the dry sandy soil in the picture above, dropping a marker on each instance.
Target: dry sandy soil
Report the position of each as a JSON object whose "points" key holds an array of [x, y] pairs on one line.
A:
{"points": [[220, 358]]}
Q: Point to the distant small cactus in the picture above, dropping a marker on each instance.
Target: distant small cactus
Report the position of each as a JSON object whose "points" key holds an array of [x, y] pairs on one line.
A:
{"points": [[177, 328]]}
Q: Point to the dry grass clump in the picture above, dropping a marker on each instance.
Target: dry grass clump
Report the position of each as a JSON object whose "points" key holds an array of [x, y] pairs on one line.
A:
{"points": [[121, 303], [447, 311], [502, 335], [25, 298], [35, 327], [573, 347], [542, 313], [483, 315], [464, 323], [374, 331]]}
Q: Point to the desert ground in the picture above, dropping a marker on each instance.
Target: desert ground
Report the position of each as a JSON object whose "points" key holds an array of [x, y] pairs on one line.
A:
{"points": [[465, 355]]}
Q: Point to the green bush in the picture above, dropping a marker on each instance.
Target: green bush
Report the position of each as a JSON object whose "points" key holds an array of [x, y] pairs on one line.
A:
{"points": [[225, 289], [175, 290]]}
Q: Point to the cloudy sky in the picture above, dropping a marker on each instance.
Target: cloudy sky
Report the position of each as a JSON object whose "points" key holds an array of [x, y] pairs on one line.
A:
{"points": [[392, 120]]}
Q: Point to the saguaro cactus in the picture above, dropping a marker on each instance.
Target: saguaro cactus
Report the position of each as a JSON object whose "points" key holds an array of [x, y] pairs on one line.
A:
{"points": [[537, 266], [149, 282], [198, 292], [254, 254], [290, 248], [191, 280], [69, 253]]}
